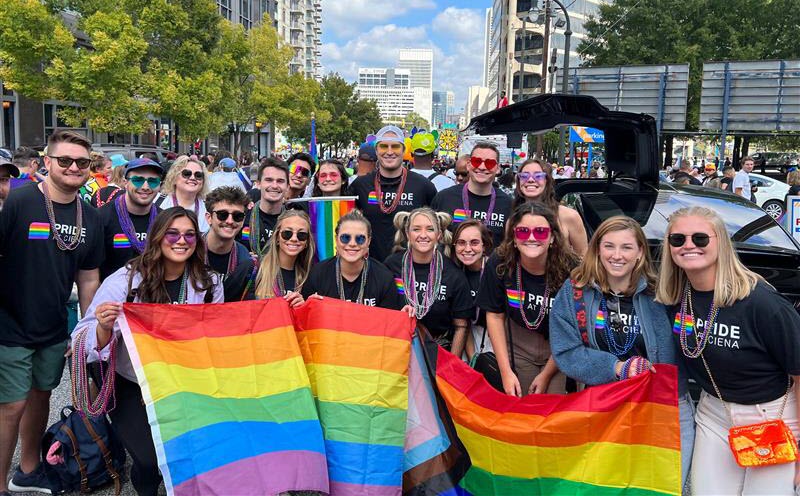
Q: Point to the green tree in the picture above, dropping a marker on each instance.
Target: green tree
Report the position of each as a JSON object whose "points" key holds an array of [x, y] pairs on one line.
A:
{"points": [[413, 119]]}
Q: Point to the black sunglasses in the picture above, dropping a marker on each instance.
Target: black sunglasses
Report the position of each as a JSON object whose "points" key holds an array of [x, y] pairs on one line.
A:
{"points": [[66, 162], [346, 238], [197, 174], [287, 235], [701, 240], [222, 215]]}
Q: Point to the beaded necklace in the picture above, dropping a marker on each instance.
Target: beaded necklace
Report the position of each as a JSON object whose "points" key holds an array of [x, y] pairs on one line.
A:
{"points": [[196, 203], [465, 202], [111, 196], [340, 281], [233, 258], [601, 323], [182, 292], [400, 188], [688, 321], [531, 326], [51, 217], [280, 286], [421, 308], [127, 226], [80, 379]]}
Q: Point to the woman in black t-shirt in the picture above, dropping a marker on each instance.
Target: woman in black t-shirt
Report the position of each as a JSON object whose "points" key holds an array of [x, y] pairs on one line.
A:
{"points": [[430, 283], [351, 275], [171, 269], [471, 242], [741, 343], [517, 288], [285, 266]]}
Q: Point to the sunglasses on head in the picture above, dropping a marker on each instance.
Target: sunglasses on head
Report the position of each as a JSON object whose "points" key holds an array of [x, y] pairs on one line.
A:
{"points": [[66, 162], [383, 147], [476, 162], [524, 177], [138, 181], [701, 240], [333, 176], [523, 233], [346, 238], [173, 236], [186, 173], [287, 234], [222, 215], [298, 170]]}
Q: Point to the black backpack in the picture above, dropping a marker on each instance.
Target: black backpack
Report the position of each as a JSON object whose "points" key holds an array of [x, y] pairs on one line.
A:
{"points": [[92, 455]]}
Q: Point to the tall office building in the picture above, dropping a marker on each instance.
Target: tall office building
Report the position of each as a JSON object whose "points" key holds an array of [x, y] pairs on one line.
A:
{"points": [[516, 42], [487, 43], [390, 88], [439, 109], [419, 61]]}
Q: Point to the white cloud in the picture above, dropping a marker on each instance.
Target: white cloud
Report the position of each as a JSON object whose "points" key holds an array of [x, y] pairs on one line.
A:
{"points": [[351, 16], [460, 24]]}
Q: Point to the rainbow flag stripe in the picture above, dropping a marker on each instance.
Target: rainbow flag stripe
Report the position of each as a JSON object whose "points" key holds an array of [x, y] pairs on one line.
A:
{"points": [[325, 214], [688, 322], [398, 283], [563, 444], [460, 215], [372, 198], [357, 359], [514, 297], [121, 241], [246, 233], [216, 377], [39, 230], [600, 320]]}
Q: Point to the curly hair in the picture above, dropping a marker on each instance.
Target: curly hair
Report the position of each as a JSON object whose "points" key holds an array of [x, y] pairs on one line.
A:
{"points": [[561, 259]]}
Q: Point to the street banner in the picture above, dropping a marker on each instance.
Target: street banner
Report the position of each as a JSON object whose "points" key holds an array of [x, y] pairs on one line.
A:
{"points": [[581, 134], [545, 444]]}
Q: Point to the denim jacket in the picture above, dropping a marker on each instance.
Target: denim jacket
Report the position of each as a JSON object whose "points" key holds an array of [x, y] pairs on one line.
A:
{"points": [[592, 366]]}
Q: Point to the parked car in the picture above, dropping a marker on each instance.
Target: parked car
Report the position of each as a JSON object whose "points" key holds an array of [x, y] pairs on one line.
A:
{"points": [[633, 186], [771, 194], [131, 152], [774, 160]]}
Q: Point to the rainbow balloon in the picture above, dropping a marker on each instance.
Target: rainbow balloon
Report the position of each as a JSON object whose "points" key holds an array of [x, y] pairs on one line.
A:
{"points": [[325, 214]]}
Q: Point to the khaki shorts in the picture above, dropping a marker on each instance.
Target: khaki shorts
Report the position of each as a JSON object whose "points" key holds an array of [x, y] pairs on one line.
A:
{"points": [[23, 369]]}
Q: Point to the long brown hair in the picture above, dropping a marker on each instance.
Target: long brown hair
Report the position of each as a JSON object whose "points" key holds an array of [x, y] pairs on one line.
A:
{"points": [[270, 262], [591, 270], [150, 265], [486, 238], [548, 196], [561, 259]]}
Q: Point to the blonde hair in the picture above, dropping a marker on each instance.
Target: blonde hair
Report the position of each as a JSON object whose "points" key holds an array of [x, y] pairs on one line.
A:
{"points": [[440, 220], [180, 163], [591, 269], [793, 178], [734, 281], [118, 176], [270, 262]]}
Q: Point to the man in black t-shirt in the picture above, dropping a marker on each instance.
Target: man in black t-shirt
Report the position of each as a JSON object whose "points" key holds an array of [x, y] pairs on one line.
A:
{"points": [[225, 213], [478, 198], [7, 171], [390, 189], [259, 223], [127, 219], [49, 240]]}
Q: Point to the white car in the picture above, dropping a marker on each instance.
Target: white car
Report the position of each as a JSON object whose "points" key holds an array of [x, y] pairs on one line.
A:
{"points": [[771, 194]]}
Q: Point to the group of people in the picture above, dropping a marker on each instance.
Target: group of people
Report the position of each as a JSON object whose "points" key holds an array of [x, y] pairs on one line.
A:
{"points": [[479, 269]]}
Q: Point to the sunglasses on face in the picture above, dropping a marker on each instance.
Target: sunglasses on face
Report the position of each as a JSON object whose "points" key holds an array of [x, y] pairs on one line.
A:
{"points": [[474, 243], [524, 177], [462, 174], [173, 236], [523, 233], [222, 215], [346, 238], [138, 181], [333, 176], [297, 170], [701, 240], [288, 233], [384, 147], [66, 162], [187, 174], [476, 162]]}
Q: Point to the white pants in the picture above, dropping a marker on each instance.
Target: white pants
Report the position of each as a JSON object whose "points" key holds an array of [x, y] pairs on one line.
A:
{"points": [[714, 469]]}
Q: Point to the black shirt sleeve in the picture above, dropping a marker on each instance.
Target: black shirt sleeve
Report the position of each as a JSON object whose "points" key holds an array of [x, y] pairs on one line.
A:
{"points": [[95, 254], [492, 291]]}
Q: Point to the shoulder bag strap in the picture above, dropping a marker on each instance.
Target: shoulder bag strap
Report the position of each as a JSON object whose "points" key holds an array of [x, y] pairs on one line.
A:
{"points": [[580, 312], [106, 454], [76, 453], [510, 344]]}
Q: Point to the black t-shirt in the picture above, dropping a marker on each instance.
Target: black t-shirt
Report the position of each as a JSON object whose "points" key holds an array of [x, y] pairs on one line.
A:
{"points": [[174, 290], [450, 200], [118, 248], [729, 182], [452, 302], [105, 195], [622, 321], [36, 277], [754, 345], [289, 280], [474, 281], [418, 192], [501, 295], [379, 290], [237, 281], [263, 232], [255, 195]]}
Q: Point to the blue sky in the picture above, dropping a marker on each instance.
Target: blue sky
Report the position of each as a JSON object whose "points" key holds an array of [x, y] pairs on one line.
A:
{"points": [[369, 33]]}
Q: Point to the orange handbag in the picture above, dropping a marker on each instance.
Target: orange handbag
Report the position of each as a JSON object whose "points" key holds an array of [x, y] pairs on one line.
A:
{"points": [[761, 444]]}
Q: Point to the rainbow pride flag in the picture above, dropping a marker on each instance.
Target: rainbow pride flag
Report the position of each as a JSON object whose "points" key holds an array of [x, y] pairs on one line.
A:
{"points": [[357, 359], [621, 438], [325, 214], [227, 396]]}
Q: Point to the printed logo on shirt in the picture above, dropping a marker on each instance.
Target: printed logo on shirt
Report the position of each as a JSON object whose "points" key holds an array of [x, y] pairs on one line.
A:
{"points": [[370, 302], [39, 230], [121, 241], [460, 215], [514, 297], [399, 285], [421, 287], [406, 199], [722, 335], [630, 323], [372, 198], [246, 233], [498, 219]]}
